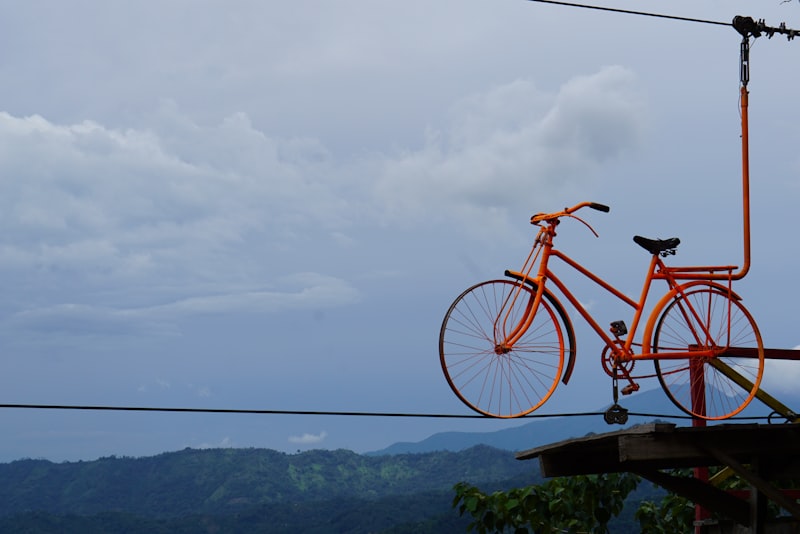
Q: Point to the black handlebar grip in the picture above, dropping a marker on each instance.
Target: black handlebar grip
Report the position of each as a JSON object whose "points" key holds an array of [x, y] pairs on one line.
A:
{"points": [[599, 207]]}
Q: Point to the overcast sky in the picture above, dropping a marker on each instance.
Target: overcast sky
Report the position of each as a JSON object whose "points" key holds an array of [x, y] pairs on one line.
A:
{"points": [[271, 205]]}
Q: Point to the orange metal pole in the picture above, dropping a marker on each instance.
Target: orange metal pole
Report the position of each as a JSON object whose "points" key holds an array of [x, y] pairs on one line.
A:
{"points": [[745, 185]]}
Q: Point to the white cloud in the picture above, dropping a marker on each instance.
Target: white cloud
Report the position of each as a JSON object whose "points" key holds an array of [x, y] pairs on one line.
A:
{"points": [[163, 384], [224, 443], [159, 383], [85, 192], [512, 144], [190, 215], [308, 439], [781, 376]]}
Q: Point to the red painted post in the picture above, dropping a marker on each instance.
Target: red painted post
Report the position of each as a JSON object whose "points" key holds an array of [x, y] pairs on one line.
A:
{"points": [[698, 391]]}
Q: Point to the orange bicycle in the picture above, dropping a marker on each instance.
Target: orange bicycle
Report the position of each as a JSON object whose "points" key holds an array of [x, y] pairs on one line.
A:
{"points": [[503, 343]]}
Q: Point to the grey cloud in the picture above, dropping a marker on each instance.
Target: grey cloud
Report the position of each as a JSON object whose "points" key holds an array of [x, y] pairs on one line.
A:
{"points": [[78, 320], [314, 292], [85, 194], [195, 218], [514, 142], [596, 118], [305, 291]]}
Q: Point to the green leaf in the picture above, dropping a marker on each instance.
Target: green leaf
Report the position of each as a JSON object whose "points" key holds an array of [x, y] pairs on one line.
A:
{"points": [[471, 503]]}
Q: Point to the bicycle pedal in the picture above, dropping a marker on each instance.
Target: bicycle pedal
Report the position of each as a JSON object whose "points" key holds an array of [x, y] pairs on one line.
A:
{"points": [[630, 388], [618, 328]]}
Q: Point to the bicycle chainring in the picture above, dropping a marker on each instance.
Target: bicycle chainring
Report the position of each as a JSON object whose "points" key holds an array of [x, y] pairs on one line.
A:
{"points": [[621, 372]]}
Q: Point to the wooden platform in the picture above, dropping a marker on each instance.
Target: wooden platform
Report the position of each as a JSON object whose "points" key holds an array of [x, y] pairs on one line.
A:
{"points": [[760, 454]]}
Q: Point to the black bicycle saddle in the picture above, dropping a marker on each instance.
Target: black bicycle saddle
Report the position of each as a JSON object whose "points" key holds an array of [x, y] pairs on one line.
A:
{"points": [[657, 246]]}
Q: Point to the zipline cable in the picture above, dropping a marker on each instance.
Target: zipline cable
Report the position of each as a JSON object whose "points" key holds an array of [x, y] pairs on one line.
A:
{"points": [[102, 408], [630, 12]]}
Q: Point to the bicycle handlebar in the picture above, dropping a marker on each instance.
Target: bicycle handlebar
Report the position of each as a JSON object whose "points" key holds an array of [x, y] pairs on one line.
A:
{"points": [[539, 217]]}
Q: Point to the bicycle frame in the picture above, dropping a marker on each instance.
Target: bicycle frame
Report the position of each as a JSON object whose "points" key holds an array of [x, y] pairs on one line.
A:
{"points": [[621, 349]]}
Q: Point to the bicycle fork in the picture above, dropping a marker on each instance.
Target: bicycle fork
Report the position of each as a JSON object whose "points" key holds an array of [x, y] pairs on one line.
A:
{"points": [[505, 340]]}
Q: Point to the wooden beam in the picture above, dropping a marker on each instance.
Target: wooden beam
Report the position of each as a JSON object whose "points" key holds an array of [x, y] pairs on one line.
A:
{"points": [[770, 354], [701, 493], [762, 485]]}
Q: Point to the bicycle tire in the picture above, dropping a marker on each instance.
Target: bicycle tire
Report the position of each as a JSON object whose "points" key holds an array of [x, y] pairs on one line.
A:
{"points": [[721, 396], [510, 384]]}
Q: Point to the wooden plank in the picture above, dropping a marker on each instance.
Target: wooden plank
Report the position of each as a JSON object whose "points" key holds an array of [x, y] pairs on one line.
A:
{"points": [[662, 447], [577, 442]]}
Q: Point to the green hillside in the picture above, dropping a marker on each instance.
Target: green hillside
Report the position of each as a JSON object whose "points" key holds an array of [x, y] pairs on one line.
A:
{"points": [[246, 490]]}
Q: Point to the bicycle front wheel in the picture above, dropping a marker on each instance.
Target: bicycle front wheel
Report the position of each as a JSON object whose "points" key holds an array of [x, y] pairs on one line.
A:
{"points": [[718, 387], [494, 381]]}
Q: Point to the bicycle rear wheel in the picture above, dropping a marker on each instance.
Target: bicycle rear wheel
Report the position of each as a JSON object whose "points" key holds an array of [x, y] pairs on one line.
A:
{"points": [[716, 387], [497, 382]]}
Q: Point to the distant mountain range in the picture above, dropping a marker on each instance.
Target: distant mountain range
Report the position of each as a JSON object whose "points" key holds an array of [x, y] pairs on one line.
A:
{"points": [[541, 431]]}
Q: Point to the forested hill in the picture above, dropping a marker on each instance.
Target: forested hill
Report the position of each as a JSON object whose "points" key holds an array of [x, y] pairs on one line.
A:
{"points": [[241, 489]]}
